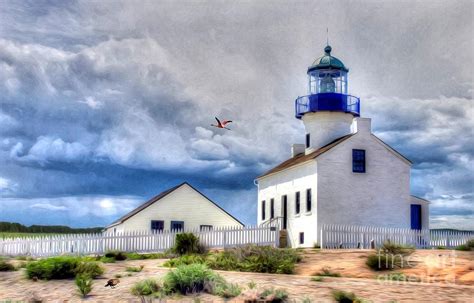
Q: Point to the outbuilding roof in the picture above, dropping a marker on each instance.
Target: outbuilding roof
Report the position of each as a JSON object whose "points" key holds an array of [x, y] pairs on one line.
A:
{"points": [[161, 196]]}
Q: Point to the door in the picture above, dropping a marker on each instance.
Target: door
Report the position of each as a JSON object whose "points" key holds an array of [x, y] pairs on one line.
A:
{"points": [[415, 212], [284, 204]]}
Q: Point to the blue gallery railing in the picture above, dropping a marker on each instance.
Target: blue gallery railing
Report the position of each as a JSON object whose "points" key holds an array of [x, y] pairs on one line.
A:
{"points": [[327, 102]]}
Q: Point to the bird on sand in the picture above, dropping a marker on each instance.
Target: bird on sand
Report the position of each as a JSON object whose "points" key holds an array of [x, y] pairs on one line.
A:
{"points": [[112, 283], [221, 124]]}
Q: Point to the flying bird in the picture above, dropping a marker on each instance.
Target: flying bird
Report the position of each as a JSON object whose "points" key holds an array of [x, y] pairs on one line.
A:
{"points": [[112, 283], [221, 124]]}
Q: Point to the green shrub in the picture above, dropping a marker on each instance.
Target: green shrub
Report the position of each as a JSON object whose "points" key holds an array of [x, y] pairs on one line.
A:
{"points": [[344, 297], [468, 246], [84, 284], [470, 243], [146, 287], [389, 248], [252, 285], [226, 290], [134, 268], [117, 255], [326, 272], [185, 260], [136, 256], [251, 258], [5, 266], [107, 260], [190, 278], [92, 269], [117, 276], [62, 268], [274, 295], [186, 243], [317, 279]]}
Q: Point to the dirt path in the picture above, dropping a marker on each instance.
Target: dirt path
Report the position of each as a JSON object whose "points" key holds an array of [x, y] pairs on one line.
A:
{"points": [[443, 266], [13, 286]]}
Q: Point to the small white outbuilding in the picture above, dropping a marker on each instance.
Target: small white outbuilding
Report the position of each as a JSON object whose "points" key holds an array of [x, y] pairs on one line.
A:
{"points": [[178, 208]]}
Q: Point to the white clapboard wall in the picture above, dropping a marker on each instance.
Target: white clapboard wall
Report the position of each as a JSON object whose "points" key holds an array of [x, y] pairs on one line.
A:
{"points": [[337, 236], [134, 241]]}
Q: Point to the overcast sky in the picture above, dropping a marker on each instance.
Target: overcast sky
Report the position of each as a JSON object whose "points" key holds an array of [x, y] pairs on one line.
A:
{"points": [[105, 104]]}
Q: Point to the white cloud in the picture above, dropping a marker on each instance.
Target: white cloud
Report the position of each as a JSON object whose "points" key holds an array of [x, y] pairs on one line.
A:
{"points": [[92, 102], [48, 206], [47, 149]]}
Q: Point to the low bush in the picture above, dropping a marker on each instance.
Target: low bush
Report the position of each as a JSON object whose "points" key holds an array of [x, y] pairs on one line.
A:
{"points": [[345, 297], [317, 279], [186, 243], [107, 260], [135, 256], [274, 295], [117, 255], [5, 266], [185, 260], [145, 288], [326, 272], [84, 284], [226, 290], [135, 268], [191, 278], [389, 248], [62, 268], [251, 258], [468, 246]]}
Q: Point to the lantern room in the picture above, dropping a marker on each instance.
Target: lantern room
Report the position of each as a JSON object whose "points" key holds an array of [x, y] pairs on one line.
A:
{"points": [[327, 88], [327, 74]]}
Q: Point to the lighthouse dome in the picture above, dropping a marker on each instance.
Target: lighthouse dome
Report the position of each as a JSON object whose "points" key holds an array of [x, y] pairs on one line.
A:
{"points": [[327, 62]]}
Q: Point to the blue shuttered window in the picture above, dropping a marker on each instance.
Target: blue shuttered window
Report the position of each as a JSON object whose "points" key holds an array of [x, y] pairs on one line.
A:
{"points": [[358, 161]]}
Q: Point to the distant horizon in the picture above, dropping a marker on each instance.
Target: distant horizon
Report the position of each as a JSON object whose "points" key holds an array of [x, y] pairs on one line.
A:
{"points": [[106, 104]]}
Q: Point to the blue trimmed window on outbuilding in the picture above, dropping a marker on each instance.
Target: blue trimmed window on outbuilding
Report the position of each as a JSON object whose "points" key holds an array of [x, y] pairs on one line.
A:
{"points": [[177, 225], [263, 210], [308, 140], [358, 160], [157, 225]]}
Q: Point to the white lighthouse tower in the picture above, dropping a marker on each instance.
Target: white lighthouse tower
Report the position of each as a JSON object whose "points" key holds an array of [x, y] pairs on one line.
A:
{"points": [[344, 174], [327, 111]]}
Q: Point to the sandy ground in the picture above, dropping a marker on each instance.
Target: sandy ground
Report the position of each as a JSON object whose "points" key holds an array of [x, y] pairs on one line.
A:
{"points": [[355, 277]]}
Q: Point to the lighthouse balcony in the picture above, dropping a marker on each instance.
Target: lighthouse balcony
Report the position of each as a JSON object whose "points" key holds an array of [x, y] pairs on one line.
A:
{"points": [[327, 102]]}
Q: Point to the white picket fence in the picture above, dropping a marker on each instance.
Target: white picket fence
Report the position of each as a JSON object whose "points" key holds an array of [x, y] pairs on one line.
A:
{"points": [[366, 237], [135, 241]]}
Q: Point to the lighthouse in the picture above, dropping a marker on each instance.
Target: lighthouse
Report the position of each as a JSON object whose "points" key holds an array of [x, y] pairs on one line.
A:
{"points": [[328, 110], [343, 174]]}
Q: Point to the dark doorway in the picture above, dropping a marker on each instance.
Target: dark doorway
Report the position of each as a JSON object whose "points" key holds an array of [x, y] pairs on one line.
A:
{"points": [[284, 204]]}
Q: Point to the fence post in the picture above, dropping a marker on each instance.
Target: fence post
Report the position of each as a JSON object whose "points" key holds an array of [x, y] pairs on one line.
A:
{"points": [[224, 238], [321, 244]]}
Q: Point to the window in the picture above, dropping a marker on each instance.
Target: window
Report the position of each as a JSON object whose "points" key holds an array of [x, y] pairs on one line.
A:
{"points": [[205, 227], [308, 200], [308, 140], [358, 161], [157, 225], [177, 225], [263, 210], [297, 202], [272, 208], [301, 238]]}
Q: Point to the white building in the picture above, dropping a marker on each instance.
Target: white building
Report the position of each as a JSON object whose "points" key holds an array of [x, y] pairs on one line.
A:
{"points": [[178, 208], [344, 174]]}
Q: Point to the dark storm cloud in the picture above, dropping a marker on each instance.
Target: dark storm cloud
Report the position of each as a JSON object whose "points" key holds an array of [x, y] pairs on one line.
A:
{"points": [[113, 99]]}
